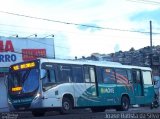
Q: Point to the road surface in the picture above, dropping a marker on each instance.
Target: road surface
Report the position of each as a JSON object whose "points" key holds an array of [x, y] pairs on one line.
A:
{"points": [[133, 113]]}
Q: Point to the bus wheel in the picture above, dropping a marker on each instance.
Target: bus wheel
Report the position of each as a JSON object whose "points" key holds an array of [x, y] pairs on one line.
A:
{"points": [[124, 104], [66, 106], [38, 113]]}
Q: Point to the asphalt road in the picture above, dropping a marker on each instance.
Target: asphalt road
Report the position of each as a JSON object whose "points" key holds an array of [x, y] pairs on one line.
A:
{"points": [[133, 113]]}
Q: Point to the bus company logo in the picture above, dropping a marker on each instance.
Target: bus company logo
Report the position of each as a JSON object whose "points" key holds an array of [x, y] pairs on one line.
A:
{"points": [[107, 90], [16, 101], [22, 100]]}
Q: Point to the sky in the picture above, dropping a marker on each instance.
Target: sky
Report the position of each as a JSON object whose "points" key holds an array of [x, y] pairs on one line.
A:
{"points": [[116, 20]]}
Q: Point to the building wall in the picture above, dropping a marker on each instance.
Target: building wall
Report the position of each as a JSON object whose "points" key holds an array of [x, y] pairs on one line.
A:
{"points": [[3, 95]]}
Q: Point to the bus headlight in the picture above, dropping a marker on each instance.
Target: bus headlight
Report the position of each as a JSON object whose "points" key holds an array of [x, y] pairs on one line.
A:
{"points": [[9, 101], [37, 96]]}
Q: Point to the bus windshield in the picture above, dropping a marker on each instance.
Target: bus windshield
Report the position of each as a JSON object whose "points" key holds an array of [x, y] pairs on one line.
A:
{"points": [[24, 81]]}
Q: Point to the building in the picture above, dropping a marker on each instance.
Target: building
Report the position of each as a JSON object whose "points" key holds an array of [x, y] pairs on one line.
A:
{"points": [[14, 50], [142, 57]]}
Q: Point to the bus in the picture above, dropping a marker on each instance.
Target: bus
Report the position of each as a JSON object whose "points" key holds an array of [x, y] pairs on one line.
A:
{"points": [[51, 84]]}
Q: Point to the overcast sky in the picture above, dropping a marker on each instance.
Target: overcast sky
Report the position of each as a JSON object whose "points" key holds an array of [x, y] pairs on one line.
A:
{"points": [[75, 40]]}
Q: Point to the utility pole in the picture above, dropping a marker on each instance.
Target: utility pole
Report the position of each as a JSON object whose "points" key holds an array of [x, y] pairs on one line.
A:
{"points": [[151, 43], [150, 34], [54, 56]]}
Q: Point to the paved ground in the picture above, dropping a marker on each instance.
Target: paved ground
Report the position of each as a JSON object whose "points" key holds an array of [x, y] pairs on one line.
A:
{"points": [[133, 113]]}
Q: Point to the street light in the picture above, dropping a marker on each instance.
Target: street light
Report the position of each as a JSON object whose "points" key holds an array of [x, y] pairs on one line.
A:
{"points": [[35, 35], [52, 35], [16, 35], [151, 55]]}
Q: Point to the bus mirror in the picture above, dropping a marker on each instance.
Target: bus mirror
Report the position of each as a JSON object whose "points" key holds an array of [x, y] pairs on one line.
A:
{"points": [[43, 73], [155, 82]]}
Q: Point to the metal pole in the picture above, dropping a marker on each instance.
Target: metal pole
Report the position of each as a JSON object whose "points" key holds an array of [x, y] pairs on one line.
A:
{"points": [[151, 42], [151, 34], [54, 55]]}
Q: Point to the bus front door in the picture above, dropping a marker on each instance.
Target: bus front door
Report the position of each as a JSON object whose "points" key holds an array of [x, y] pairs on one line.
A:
{"points": [[91, 85], [138, 86]]}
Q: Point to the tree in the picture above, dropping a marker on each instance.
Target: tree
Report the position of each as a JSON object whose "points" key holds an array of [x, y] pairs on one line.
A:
{"points": [[132, 49]]}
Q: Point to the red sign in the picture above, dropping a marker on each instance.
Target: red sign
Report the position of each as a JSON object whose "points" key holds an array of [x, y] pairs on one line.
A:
{"points": [[31, 54], [6, 46]]}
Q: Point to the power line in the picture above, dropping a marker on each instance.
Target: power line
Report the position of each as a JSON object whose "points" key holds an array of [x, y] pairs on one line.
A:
{"points": [[36, 56], [45, 43], [39, 28], [144, 32], [71, 23], [68, 48], [151, 1], [145, 2]]}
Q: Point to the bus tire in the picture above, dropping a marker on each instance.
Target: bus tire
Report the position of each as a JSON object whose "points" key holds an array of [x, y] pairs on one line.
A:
{"points": [[38, 113], [66, 106], [124, 104], [151, 105]]}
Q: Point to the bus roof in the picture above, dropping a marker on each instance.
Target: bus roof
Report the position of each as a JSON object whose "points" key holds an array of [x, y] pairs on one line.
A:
{"points": [[95, 63]]}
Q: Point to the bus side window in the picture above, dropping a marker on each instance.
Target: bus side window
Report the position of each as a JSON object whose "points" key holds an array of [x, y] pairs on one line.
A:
{"points": [[136, 76], [121, 76], [147, 77], [89, 74], [77, 74], [99, 74], [109, 76], [49, 76], [52, 76], [129, 76], [86, 74], [65, 73], [92, 74]]}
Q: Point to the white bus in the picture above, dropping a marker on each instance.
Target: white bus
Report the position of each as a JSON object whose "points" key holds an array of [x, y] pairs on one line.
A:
{"points": [[49, 84]]}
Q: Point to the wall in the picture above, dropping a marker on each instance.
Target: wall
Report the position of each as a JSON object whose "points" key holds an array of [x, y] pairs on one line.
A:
{"points": [[3, 96]]}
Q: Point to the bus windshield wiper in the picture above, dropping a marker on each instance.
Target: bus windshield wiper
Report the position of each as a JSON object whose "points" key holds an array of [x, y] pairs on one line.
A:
{"points": [[25, 75]]}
